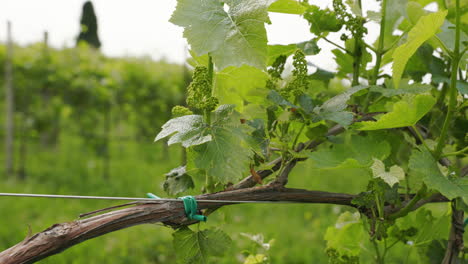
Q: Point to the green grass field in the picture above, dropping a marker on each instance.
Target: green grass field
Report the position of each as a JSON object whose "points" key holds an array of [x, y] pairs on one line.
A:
{"points": [[297, 230]]}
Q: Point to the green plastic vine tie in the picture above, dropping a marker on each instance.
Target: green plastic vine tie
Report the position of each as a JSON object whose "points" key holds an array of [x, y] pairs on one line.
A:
{"points": [[191, 207], [150, 195]]}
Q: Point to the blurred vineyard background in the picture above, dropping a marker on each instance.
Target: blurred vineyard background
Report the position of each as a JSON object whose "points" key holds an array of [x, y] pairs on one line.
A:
{"points": [[84, 124]]}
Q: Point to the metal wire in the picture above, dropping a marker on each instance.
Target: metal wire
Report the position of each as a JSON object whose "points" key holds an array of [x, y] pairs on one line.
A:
{"points": [[129, 198]]}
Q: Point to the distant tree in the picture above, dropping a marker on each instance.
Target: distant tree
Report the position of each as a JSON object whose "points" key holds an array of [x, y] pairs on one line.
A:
{"points": [[88, 26]]}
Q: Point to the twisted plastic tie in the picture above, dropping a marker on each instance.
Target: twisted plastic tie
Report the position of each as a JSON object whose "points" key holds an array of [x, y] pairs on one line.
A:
{"points": [[190, 207]]}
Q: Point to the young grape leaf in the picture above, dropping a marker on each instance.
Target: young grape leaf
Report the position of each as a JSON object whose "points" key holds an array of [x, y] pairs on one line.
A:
{"points": [[322, 21], [309, 47], [406, 112], [425, 166], [391, 177], [274, 51], [177, 181], [259, 135], [287, 7], [196, 247], [189, 130], [346, 235], [333, 108], [256, 259], [354, 5], [357, 152], [345, 61], [426, 27], [228, 136], [232, 37]]}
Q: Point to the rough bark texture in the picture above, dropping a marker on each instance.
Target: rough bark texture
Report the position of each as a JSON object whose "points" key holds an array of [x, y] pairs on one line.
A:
{"points": [[62, 236], [455, 242]]}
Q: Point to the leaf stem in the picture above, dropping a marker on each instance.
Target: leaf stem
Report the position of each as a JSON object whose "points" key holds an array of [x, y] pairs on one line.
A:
{"points": [[378, 54], [409, 207], [210, 79], [357, 61], [370, 47], [465, 149], [395, 42], [336, 45], [453, 83], [380, 47], [379, 258], [418, 134], [357, 52], [298, 135]]}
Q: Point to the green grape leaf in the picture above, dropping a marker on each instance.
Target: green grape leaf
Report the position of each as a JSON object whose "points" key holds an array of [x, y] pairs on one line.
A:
{"points": [[238, 85], [287, 7], [232, 37], [447, 36], [196, 60], [406, 112], [259, 136], [228, 136], [395, 10], [414, 11], [346, 235], [321, 74], [277, 99], [391, 177], [345, 61], [416, 88], [428, 227], [177, 181], [274, 51], [356, 152], [189, 130], [355, 7], [322, 21], [309, 47], [306, 103], [196, 247], [333, 108], [256, 259], [425, 166], [426, 27], [462, 86]]}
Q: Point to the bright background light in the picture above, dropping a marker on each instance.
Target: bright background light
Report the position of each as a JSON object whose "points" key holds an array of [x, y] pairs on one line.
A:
{"points": [[141, 28]]}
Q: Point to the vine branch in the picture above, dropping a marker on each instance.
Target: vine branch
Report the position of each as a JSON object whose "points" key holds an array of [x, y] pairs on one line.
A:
{"points": [[59, 237]]}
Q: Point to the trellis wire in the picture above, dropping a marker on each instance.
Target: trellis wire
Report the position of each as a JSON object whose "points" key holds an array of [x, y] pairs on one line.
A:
{"points": [[130, 198]]}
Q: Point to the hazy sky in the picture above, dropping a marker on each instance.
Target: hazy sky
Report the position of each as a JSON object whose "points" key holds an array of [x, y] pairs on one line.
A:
{"points": [[137, 27]]}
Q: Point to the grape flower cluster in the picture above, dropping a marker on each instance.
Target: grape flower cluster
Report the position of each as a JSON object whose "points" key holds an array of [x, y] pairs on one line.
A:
{"points": [[199, 91], [300, 80], [198, 94]]}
